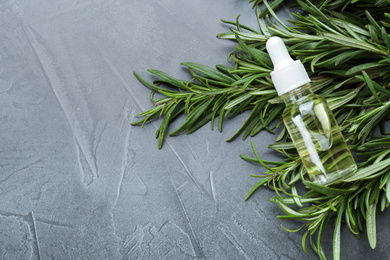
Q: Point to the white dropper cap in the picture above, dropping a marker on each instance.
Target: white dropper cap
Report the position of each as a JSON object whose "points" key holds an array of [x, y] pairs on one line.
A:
{"points": [[288, 74]]}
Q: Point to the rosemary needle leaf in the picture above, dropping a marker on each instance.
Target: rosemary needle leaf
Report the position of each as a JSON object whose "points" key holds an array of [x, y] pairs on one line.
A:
{"points": [[168, 79], [304, 241], [383, 202], [370, 84], [281, 134], [220, 120], [371, 225], [346, 41], [258, 158], [292, 230], [201, 122], [254, 127], [295, 193], [147, 84], [373, 22], [388, 191], [164, 126], [321, 252], [254, 160], [313, 245], [259, 56], [367, 171], [253, 114], [210, 72], [289, 211], [258, 184], [193, 117], [328, 190], [284, 146], [237, 101], [360, 67], [336, 234]]}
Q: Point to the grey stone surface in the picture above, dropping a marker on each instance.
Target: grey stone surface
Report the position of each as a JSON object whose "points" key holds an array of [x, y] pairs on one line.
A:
{"points": [[78, 182]]}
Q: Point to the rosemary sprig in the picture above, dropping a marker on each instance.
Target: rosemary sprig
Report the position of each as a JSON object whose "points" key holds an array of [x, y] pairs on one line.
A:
{"points": [[345, 46], [212, 93], [354, 200]]}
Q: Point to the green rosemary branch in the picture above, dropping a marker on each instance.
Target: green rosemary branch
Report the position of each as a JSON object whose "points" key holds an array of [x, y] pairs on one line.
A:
{"points": [[354, 200]]}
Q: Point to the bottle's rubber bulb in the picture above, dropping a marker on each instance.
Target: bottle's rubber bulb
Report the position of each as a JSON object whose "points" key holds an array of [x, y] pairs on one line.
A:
{"points": [[288, 74]]}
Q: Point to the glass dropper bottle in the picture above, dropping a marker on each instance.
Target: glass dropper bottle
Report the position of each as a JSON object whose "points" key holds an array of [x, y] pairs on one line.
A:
{"points": [[308, 119]]}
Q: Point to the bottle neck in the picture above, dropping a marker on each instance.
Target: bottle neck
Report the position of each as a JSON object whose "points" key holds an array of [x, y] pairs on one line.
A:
{"points": [[297, 94]]}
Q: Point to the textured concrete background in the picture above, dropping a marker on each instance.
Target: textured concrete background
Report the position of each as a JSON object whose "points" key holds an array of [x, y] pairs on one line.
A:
{"points": [[78, 182]]}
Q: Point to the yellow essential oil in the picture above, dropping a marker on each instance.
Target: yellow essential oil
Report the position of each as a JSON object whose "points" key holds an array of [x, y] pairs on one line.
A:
{"points": [[308, 119], [317, 136]]}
